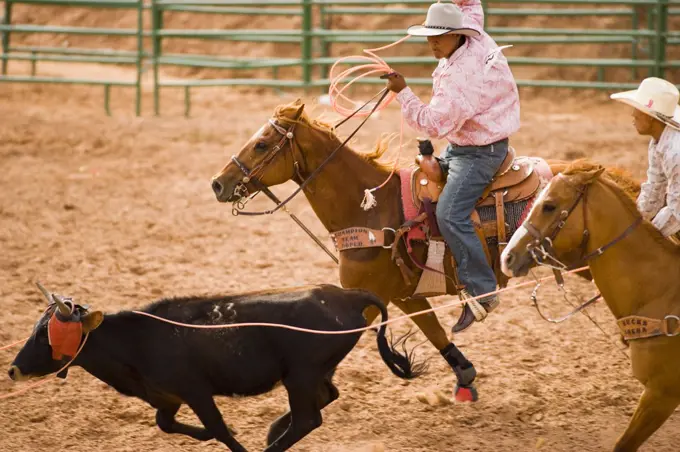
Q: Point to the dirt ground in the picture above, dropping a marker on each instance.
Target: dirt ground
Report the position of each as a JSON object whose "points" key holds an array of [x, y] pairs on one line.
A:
{"points": [[118, 212]]}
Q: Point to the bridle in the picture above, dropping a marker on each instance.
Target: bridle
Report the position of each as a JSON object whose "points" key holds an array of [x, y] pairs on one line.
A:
{"points": [[254, 175], [542, 251], [541, 248], [287, 136]]}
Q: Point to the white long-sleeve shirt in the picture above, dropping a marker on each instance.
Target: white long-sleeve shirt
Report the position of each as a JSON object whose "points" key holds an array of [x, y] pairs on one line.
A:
{"points": [[663, 184]]}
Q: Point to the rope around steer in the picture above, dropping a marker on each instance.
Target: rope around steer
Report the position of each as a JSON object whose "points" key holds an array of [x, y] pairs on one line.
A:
{"points": [[306, 330], [356, 330], [14, 344], [46, 378]]}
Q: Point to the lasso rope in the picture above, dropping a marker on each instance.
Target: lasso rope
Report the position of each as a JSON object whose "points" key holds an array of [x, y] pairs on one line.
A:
{"points": [[45, 379], [276, 325], [14, 344], [374, 65], [356, 330]]}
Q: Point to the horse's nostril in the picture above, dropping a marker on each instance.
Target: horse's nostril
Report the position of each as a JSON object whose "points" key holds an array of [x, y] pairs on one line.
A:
{"points": [[217, 187], [12, 372]]}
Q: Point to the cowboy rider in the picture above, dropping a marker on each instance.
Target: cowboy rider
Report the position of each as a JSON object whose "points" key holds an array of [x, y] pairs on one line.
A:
{"points": [[656, 114], [474, 106]]}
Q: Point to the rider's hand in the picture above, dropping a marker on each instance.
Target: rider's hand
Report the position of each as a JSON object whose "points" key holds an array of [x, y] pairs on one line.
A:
{"points": [[395, 82]]}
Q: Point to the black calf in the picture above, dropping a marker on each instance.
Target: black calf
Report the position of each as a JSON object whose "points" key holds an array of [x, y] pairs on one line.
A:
{"points": [[168, 366]]}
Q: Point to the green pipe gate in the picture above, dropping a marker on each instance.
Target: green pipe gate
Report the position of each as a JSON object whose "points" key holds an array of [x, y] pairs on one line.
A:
{"points": [[649, 41]]}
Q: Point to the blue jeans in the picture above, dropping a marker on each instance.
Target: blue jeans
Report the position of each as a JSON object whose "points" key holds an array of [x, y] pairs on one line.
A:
{"points": [[471, 169]]}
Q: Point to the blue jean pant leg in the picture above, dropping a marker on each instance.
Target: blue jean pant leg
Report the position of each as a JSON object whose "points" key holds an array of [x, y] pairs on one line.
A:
{"points": [[470, 172]]}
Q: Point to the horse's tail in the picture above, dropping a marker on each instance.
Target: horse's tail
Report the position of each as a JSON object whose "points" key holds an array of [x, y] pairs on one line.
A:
{"points": [[402, 365]]}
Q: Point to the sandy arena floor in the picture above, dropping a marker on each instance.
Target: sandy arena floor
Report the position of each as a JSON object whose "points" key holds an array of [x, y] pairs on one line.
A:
{"points": [[118, 212]]}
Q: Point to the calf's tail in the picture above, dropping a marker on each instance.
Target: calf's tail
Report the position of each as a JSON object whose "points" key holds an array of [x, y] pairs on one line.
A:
{"points": [[402, 365]]}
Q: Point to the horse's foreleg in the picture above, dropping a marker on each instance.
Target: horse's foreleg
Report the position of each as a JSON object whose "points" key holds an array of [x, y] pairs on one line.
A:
{"points": [[430, 326], [653, 409]]}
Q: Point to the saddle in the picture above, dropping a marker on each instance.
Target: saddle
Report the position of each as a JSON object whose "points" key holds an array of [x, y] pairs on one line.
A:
{"points": [[517, 179]]}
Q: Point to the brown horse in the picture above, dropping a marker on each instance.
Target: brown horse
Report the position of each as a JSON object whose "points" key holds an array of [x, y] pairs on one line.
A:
{"points": [[271, 158], [635, 268]]}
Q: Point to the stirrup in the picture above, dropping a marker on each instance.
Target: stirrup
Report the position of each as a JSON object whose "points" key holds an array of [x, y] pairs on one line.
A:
{"points": [[478, 310]]}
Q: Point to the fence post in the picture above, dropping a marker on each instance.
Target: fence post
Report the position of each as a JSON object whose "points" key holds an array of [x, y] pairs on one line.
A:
{"points": [[140, 56], [6, 20], [306, 42], [156, 23], [485, 10], [325, 21], [660, 38], [635, 25]]}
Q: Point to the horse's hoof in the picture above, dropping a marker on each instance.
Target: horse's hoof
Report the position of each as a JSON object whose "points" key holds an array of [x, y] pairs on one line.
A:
{"points": [[466, 393]]}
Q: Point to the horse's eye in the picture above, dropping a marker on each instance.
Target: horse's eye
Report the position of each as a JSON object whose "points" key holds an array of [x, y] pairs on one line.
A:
{"points": [[549, 208], [261, 146]]}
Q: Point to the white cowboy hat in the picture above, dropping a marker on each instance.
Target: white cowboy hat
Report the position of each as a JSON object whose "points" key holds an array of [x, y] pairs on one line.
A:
{"points": [[655, 97], [442, 18]]}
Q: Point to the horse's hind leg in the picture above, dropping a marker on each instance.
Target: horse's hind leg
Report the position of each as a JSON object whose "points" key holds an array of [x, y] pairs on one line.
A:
{"points": [[430, 326], [653, 409]]}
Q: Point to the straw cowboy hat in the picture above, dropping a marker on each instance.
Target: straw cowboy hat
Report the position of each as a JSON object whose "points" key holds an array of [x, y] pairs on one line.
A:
{"points": [[442, 18], [655, 97]]}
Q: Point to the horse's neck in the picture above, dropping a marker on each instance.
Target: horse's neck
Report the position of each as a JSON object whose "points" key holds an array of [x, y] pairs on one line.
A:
{"points": [[337, 192], [633, 274]]}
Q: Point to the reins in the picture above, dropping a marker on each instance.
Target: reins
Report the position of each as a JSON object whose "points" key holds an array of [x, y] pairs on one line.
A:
{"points": [[374, 65], [542, 248], [238, 206], [280, 204]]}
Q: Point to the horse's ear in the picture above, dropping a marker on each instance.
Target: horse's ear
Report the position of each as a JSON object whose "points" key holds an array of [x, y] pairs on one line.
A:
{"points": [[298, 109], [596, 173], [590, 175]]}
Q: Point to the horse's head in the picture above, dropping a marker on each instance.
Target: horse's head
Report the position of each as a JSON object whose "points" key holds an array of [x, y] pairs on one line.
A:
{"points": [[555, 225], [268, 158]]}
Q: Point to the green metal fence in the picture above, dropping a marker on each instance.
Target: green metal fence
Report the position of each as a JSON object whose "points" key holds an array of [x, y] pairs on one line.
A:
{"points": [[34, 54], [654, 33], [647, 37], [278, 8]]}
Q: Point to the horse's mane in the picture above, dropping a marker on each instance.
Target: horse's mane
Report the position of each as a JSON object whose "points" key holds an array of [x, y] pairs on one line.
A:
{"points": [[627, 189], [285, 112], [623, 179]]}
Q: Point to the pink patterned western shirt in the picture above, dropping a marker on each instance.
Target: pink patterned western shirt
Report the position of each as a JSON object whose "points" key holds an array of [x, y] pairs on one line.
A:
{"points": [[663, 184], [475, 100]]}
